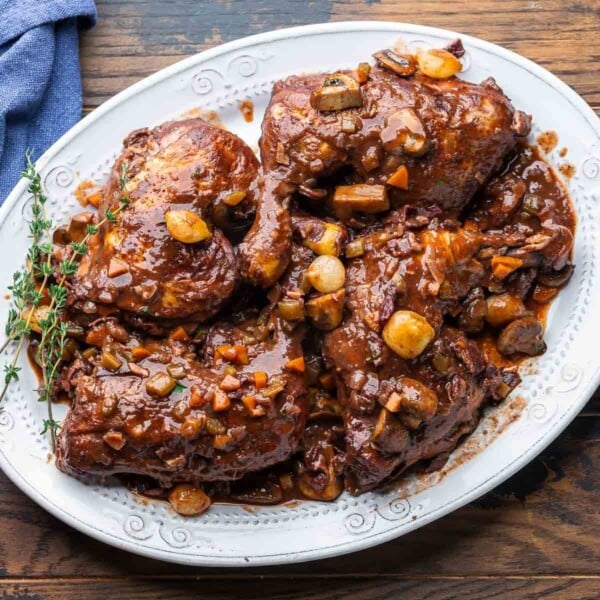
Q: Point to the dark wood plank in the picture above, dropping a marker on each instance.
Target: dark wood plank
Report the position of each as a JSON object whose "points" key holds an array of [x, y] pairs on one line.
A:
{"points": [[135, 38], [380, 588], [542, 521]]}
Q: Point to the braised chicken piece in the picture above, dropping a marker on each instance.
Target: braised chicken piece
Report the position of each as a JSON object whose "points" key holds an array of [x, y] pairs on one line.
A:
{"points": [[150, 407], [412, 410], [394, 140], [411, 244], [410, 385], [164, 255]]}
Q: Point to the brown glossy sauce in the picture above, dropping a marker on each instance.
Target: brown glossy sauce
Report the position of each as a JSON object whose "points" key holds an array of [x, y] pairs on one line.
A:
{"points": [[88, 193], [567, 169], [278, 485], [547, 141], [210, 116], [545, 192], [247, 110]]}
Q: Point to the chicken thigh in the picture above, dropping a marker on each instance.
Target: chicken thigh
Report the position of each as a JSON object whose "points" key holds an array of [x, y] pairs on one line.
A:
{"points": [[406, 140], [411, 385], [163, 254], [150, 407]]}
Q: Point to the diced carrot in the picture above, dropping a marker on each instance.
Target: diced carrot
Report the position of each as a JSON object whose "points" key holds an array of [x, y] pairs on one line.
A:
{"points": [[296, 365], [399, 178], [259, 411], [94, 199], [543, 294], [234, 198], [192, 426], [260, 379], [140, 352], [241, 355], [249, 402], [237, 354], [226, 352], [179, 334], [197, 398], [117, 267], [114, 439], [503, 266], [221, 441], [220, 401], [362, 72]]}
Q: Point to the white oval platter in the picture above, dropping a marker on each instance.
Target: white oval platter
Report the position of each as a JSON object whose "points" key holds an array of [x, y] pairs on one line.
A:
{"points": [[555, 386]]}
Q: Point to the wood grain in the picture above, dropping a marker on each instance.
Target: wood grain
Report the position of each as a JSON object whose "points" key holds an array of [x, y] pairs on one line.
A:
{"points": [[380, 588], [135, 38], [543, 521]]}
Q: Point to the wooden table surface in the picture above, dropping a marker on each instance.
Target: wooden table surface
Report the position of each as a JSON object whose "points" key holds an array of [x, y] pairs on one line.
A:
{"points": [[535, 536]]}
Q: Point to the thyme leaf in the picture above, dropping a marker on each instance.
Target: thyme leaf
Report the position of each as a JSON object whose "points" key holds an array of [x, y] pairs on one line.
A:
{"points": [[37, 282]]}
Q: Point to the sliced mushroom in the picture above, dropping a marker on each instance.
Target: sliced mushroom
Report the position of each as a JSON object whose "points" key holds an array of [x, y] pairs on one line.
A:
{"points": [[389, 434], [472, 318], [330, 492], [320, 236], [77, 229], [291, 309], [556, 279], [404, 134], [414, 399], [337, 92], [270, 493], [523, 336], [456, 47], [360, 197], [397, 63]]}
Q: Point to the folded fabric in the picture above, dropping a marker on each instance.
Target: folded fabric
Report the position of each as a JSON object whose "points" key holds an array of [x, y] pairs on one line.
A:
{"points": [[40, 83]]}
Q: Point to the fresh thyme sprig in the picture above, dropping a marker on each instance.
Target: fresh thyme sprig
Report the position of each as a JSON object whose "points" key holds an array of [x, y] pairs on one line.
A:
{"points": [[24, 289], [33, 284], [26, 293]]}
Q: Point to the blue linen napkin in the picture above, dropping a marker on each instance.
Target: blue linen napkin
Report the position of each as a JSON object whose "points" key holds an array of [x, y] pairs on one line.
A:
{"points": [[40, 83]]}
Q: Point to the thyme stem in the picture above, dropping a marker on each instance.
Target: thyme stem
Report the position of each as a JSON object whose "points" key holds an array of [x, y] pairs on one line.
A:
{"points": [[33, 284]]}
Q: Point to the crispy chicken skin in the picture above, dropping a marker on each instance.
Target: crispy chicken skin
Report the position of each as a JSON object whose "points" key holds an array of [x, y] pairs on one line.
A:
{"points": [[117, 426], [180, 165], [469, 129]]}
